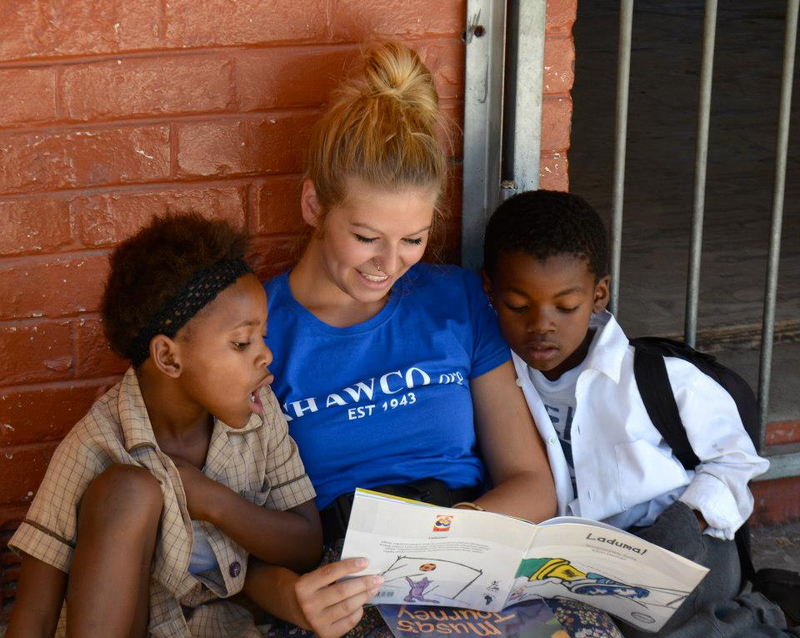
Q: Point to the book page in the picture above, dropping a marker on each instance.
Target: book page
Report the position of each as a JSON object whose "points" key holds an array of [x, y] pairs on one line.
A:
{"points": [[433, 555], [607, 568]]}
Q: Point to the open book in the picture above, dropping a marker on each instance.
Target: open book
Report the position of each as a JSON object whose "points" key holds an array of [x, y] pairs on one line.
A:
{"points": [[432, 555]]}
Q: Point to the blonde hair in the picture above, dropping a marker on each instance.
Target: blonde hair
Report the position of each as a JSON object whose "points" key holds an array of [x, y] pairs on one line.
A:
{"points": [[381, 128]]}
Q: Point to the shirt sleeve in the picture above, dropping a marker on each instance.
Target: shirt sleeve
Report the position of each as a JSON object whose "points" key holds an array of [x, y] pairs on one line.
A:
{"points": [[728, 459], [489, 348], [285, 470], [50, 528]]}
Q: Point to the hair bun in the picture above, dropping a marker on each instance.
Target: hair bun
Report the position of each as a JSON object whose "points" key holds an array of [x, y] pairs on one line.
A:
{"points": [[394, 70]]}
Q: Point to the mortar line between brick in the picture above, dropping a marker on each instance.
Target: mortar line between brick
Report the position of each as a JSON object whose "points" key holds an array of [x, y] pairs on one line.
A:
{"points": [[185, 184], [60, 385], [70, 126], [173, 150], [136, 54], [249, 206]]}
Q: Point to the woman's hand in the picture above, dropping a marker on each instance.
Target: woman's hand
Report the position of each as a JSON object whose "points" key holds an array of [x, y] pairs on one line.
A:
{"points": [[328, 608]]}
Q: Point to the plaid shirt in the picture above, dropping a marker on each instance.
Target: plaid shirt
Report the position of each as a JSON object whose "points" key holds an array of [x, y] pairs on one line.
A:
{"points": [[259, 461]]}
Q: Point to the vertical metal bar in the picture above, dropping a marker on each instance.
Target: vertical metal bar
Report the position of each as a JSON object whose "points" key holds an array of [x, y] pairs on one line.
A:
{"points": [[483, 116], [700, 164], [620, 140], [522, 119], [781, 151]]}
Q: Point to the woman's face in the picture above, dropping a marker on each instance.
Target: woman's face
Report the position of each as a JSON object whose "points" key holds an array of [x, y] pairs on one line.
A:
{"points": [[367, 243]]}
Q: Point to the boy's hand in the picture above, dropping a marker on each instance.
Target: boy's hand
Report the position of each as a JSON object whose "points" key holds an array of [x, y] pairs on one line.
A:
{"points": [[198, 488], [330, 609]]}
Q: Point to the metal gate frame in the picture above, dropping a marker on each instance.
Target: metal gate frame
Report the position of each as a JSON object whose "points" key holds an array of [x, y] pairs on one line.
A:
{"points": [[504, 78]]}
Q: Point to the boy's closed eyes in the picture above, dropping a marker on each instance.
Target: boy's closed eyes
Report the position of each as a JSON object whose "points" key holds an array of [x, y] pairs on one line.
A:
{"points": [[544, 307]]}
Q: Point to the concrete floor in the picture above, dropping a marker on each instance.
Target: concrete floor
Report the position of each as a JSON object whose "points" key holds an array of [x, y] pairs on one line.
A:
{"points": [[664, 89], [667, 40]]}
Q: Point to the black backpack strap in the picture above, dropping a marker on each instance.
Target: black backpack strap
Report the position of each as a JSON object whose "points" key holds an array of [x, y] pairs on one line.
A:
{"points": [[652, 380]]}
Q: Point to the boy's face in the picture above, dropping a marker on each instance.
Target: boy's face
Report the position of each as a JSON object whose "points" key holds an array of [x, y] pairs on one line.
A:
{"points": [[223, 355], [544, 307]]}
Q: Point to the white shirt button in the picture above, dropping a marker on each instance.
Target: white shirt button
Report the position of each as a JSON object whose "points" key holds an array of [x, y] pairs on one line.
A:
{"points": [[552, 440], [519, 382]]}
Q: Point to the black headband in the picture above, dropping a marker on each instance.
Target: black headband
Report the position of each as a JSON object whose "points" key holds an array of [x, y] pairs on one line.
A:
{"points": [[201, 288]]}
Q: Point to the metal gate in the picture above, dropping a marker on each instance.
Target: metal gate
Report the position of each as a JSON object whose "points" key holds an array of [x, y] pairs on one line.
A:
{"points": [[502, 134]]}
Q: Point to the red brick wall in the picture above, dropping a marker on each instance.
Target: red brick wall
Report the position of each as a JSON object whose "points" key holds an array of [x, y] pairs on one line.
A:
{"points": [[113, 111]]}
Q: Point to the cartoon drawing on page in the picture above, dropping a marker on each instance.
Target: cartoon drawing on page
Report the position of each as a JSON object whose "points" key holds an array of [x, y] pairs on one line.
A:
{"points": [[549, 577], [449, 579]]}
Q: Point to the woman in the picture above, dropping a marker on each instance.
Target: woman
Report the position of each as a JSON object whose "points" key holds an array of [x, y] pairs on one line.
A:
{"points": [[393, 373]]}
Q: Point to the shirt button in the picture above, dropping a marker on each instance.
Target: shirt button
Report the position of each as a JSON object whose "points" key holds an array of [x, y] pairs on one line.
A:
{"points": [[235, 569], [519, 382], [552, 440]]}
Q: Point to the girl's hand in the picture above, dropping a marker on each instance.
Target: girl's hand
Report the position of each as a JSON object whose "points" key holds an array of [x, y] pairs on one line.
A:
{"points": [[328, 608]]}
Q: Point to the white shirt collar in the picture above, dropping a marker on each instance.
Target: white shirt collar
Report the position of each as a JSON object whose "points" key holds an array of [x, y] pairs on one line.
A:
{"points": [[609, 346]]}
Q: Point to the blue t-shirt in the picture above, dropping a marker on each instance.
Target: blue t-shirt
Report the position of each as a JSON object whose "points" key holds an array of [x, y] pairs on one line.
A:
{"points": [[386, 401]]}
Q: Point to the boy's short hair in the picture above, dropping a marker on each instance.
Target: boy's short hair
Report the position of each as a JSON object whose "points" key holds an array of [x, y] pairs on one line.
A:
{"points": [[544, 224], [151, 268]]}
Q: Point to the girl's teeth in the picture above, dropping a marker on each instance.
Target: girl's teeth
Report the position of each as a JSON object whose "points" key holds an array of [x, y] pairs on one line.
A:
{"points": [[253, 397]]}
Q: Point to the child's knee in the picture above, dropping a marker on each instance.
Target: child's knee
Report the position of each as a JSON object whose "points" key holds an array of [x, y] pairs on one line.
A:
{"points": [[123, 494]]}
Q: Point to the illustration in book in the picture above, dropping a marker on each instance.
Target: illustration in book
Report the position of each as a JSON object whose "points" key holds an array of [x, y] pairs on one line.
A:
{"points": [[485, 561]]}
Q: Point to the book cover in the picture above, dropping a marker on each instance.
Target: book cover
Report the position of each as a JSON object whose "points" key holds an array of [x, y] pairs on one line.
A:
{"points": [[532, 619]]}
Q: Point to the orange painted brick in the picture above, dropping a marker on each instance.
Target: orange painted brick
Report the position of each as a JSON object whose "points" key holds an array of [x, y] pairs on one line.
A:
{"points": [[783, 432], [153, 86], [445, 58], [363, 20], [36, 28], [282, 77], [101, 220], [11, 516], [22, 470], [52, 287], [45, 413], [33, 225], [561, 16], [222, 22], [273, 144], [28, 95], [554, 171], [272, 255], [776, 501], [451, 131], [556, 122], [35, 352], [559, 65], [79, 158], [93, 355], [276, 208], [451, 198]]}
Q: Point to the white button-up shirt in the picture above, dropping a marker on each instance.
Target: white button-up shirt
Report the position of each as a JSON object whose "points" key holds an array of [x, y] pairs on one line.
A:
{"points": [[625, 472]]}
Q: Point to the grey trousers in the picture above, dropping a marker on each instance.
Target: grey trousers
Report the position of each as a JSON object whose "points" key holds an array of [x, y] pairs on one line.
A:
{"points": [[719, 607]]}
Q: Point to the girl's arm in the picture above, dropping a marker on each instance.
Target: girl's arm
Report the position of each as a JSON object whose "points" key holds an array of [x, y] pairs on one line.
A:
{"points": [[37, 606], [314, 601], [291, 538], [511, 448]]}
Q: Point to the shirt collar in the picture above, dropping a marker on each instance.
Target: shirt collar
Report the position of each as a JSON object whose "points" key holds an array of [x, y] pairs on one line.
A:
{"points": [[134, 420], [609, 346]]}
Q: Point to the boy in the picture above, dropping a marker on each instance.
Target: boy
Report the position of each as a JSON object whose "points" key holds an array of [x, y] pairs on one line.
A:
{"points": [[153, 501], [545, 261]]}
